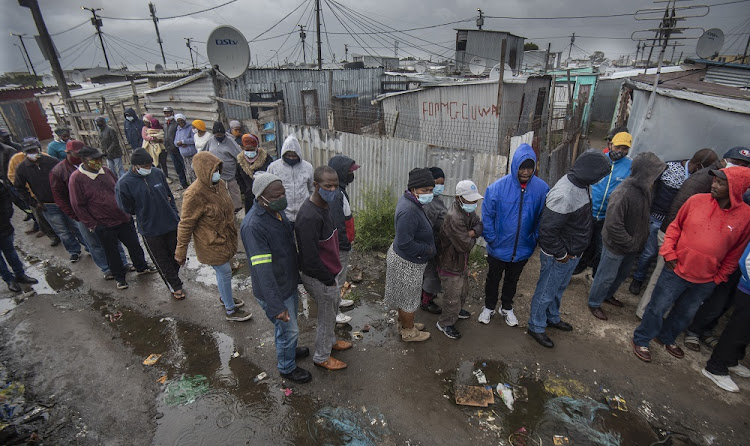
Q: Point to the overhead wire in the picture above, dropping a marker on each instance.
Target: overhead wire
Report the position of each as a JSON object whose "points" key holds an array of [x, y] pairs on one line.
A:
{"points": [[69, 29], [350, 32], [281, 20], [275, 54], [328, 42], [170, 17]]}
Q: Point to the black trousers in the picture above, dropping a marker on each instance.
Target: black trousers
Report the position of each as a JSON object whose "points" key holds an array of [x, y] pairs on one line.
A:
{"points": [[512, 272], [162, 250], [733, 341], [126, 234], [163, 162], [715, 306]]}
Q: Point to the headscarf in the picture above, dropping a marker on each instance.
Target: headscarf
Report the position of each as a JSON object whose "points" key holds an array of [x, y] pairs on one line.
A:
{"points": [[200, 125], [155, 124], [179, 116], [248, 139]]}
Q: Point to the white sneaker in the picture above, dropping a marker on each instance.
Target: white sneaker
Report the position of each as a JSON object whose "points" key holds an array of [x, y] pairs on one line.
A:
{"points": [[485, 316], [341, 318], [346, 303], [740, 370], [510, 317], [723, 381]]}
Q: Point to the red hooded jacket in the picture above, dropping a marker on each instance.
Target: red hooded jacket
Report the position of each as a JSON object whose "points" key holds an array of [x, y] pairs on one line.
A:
{"points": [[707, 241]]}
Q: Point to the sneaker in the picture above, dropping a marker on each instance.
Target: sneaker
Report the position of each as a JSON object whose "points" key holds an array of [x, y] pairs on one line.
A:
{"points": [[109, 276], [431, 307], [237, 302], [74, 258], [341, 318], [346, 303], [635, 287], [463, 314], [510, 317], [414, 335], [485, 316], [148, 270], [723, 381], [239, 315], [121, 285], [449, 331], [740, 370]]}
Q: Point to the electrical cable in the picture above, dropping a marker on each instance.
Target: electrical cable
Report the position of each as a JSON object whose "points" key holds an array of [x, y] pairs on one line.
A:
{"points": [[282, 19], [328, 42], [170, 17], [126, 48], [69, 29], [351, 33], [275, 54]]}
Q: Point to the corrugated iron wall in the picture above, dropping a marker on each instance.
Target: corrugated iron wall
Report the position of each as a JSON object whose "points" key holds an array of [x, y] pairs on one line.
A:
{"points": [[191, 99], [733, 77]]}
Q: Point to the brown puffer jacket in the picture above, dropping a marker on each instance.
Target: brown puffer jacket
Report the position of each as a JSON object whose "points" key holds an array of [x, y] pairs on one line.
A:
{"points": [[455, 243], [207, 215]]}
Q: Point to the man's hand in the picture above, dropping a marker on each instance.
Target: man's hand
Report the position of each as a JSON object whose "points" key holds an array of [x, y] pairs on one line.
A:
{"points": [[670, 264], [179, 143], [283, 316], [180, 260], [472, 234], [565, 259]]}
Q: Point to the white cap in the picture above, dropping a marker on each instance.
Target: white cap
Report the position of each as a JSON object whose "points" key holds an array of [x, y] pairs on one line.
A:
{"points": [[468, 190]]}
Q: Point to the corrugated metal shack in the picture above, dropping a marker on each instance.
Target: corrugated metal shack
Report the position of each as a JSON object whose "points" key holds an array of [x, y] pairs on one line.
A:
{"points": [[191, 96], [487, 44], [729, 74], [22, 114]]}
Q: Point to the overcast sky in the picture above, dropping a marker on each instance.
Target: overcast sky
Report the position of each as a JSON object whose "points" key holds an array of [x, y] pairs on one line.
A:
{"points": [[133, 42]]}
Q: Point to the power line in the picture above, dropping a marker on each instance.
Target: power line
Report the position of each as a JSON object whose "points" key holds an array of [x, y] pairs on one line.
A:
{"points": [[69, 29], [276, 53], [418, 28], [282, 19], [171, 17]]}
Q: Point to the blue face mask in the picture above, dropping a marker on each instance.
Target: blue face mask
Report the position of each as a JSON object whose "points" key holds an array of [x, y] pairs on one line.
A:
{"points": [[328, 195], [438, 189], [425, 198], [469, 208], [216, 177], [220, 138], [251, 153], [143, 172]]}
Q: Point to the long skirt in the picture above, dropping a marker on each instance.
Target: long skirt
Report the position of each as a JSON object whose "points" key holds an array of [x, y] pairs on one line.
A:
{"points": [[403, 282]]}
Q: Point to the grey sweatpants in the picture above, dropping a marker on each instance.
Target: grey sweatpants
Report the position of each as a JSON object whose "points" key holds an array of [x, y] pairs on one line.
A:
{"points": [[327, 298], [455, 289]]}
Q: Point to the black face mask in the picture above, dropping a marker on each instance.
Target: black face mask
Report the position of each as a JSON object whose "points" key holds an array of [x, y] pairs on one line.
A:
{"points": [[350, 177], [616, 155], [291, 161]]}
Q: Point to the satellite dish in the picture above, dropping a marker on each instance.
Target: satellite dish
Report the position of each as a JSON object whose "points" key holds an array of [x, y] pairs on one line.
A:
{"points": [[477, 65], [159, 68], [495, 72], [48, 80], [710, 43], [420, 67], [77, 77], [508, 73], [228, 50]]}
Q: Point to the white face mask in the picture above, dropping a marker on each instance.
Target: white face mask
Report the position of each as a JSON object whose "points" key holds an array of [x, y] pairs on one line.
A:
{"points": [[169, 118], [195, 131], [730, 164], [32, 156], [130, 118]]}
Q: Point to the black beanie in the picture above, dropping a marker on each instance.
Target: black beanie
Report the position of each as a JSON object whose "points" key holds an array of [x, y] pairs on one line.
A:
{"points": [[527, 164], [218, 128], [140, 157], [420, 177], [437, 172]]}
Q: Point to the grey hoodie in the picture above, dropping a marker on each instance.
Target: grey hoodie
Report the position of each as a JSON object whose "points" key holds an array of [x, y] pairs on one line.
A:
{"points": [[297, 179]]}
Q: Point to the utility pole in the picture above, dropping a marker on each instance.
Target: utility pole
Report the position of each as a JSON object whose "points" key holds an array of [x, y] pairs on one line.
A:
{"points": [[152, 10], [317, 21], [346, 53], [480, 19], [546, 57], [395, 48], [28, 70], [20, 37], [302, 37], [97, 22], [190, 48], [747, 45], [46, 40], [572, 40]]}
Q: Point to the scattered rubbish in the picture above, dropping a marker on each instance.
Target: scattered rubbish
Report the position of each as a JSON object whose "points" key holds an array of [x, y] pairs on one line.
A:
{"points": [[167, 319], [162, 379], [347, 287], [474, 396], [366, 328], [560, 440], [4, 312], [114, 317], [521, 394], [236, 355], [287, 392], [563, 387], [152, 358], [617, 403], [505, 393], [351, 427], [355, 274], [579, 416], [186, 389], [357, 335], [438, 371], [261, 376], [521, 437], [480, 376]]}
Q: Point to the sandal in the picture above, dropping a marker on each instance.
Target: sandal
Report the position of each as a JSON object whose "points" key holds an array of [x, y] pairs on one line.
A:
{"points": [[178, 295], [693, 343]]}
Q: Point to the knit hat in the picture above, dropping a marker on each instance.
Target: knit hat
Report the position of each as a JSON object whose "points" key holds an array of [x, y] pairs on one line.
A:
{"points": [[437, 172], [140, 157], [179, 116], [62, 131], [200, 125], [261, 181], [248, 139], [420, 177], [218, 128], [74, 146], [234, 123]]}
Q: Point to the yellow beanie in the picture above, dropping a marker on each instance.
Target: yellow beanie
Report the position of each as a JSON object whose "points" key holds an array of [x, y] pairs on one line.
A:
{"points": [[200, 125]]}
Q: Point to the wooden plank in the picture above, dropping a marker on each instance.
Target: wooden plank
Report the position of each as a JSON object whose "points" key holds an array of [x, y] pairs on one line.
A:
{"points": [[245, 103], [267, 114]]}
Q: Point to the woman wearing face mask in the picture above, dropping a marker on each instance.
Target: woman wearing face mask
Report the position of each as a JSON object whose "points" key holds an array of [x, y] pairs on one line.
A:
{"points": [[435, 211], [208, 218], [252, 159], [412, 248]]}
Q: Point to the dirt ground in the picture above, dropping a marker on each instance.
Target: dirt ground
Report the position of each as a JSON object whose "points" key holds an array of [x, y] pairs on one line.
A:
{"points": [[77, 345]]}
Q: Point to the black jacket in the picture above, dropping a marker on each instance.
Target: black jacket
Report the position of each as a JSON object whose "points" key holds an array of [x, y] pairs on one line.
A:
{"points": [[110, 142], [37, 177], [170, 130], [6, 212], [565, 224], [341, 164]]}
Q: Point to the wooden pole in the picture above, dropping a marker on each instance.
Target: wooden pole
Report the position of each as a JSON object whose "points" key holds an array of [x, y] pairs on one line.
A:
{"points": [[501, 150]]}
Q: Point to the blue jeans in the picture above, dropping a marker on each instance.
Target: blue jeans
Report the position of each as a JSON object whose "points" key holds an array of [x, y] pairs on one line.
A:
{"points": [[650, 251], [115, 165], [65, 228], [670, 289], [554, 277], [11, 256], [224, 282], [613, 270], [286, 334], [96, 250]]}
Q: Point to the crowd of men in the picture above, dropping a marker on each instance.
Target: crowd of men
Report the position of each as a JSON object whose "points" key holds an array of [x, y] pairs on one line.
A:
{"points": [[609, 211]]}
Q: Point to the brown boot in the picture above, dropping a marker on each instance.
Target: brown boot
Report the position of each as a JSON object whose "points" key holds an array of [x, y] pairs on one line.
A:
{"points": [[332, 364], [414, 335], [342, 345]]}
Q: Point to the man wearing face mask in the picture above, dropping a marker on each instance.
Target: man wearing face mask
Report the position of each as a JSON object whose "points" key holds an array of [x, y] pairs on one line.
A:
{"points": [[170, 143], [318, 243], [56, 148], [34, 174], [226, 150], [184, 139], [272, 255], [110, 144], [133, 128], [458, 235], [144, 193], [435, 212], [617, 151], [92, 195], [295, 173], [252, 160]]}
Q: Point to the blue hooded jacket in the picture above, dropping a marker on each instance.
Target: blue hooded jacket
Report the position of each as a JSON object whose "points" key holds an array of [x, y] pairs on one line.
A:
{"points": [[511, 213], [600, 192], [744, 285]]}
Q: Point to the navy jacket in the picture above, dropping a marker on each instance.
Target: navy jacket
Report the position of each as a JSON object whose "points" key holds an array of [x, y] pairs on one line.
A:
{"points": [[414, 240], [511, 213], [272, 256], [150, 200], [133, 129]]}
